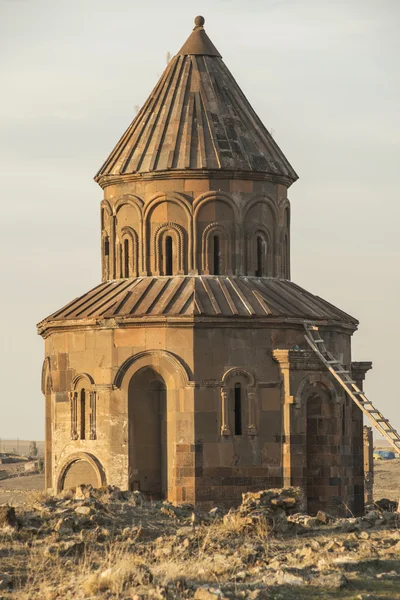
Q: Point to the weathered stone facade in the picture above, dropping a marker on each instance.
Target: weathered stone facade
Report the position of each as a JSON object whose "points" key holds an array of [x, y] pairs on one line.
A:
{"points": [[185, 373]]}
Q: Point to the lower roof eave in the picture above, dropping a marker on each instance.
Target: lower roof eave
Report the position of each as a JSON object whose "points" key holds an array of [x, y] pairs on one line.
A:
{"points": [[47, 327]]}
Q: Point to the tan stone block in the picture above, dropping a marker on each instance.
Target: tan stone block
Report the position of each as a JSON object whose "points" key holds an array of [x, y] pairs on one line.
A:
{"points": [[226, 452], [133, 337], [76, 342], [211, 454], [172, 185], [155, 338], [208, 401], [103, 357], [272, 453], [220, 185], [90, 339], [270, 399], [178, 339], [241, 185], [120, 355], [58, 343], [197, 185], [103, 376], [186, 405]]}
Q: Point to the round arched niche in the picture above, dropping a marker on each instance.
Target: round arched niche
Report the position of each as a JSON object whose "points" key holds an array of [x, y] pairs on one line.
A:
{"points": [[313, 383], [81, 469]]}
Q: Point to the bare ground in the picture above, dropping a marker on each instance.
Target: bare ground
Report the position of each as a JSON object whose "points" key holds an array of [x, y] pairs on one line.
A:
{"points": [[387, 479], [122, 549], [17, 491]]}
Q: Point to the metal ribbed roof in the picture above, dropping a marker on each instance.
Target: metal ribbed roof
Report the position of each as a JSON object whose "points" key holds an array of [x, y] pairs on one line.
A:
{"points": [[209, 296], [196, 117]]}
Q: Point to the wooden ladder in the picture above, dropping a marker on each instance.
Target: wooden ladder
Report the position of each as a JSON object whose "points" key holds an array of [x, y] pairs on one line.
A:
{"points": [[315, 341]]}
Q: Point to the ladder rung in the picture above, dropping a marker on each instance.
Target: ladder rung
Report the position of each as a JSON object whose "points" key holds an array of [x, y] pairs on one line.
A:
{"points": [[382, 420], [332, 362], [343, 372], [320, 341]]}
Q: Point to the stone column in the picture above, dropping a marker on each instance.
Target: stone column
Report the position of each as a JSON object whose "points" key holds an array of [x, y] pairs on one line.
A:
{"points": [[48, 455], [112, 250], [282, 357], [363, 481], [92, 416], [73, 396], [368, 464], [225, 429], [251, 399]]}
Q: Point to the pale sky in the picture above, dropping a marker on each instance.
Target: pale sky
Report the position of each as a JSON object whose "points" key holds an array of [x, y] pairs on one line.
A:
{"points": [[323, 75]]}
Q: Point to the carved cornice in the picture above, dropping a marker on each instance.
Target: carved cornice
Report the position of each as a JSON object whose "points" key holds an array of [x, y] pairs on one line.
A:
{"points": [[48, 326], [360, 369], [298, 360], [107, 180]]}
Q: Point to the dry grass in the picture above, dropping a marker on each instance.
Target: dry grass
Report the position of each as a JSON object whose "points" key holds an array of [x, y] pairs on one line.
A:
{"points": [[125, 551]]}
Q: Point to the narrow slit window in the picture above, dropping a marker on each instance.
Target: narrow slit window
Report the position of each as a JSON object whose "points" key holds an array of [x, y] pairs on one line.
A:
{"points": [[238, 409], [106, 247], [121, 260], [83, 414], [126, 258], [287, 219], [168, 255], [286, 257], [260, 256], [217, 261]]}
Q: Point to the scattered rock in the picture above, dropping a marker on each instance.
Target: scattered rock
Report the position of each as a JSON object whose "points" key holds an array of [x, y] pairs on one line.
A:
{"points": [[72, 548], [138, 499], [237, 549], [286, 578], [7, 516], [323, 517], [371, 516], [206, 593], [333, 580], [216, 513], [289, 499], [83, 510], [83, 492], [390, 575], [5, 581], [387, 505]]}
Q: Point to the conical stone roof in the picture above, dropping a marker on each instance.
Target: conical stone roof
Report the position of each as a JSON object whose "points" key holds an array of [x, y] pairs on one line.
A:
{"points": [[196, 118]]}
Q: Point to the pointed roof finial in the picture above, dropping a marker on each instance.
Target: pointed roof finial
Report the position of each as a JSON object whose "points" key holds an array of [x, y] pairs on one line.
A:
{"points": [[198, 42], [199, 22]]}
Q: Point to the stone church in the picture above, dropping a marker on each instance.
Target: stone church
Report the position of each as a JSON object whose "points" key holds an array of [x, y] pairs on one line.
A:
{"points": [[185, 373]]}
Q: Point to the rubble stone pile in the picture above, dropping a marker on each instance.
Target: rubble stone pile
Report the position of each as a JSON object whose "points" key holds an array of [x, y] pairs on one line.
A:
{"points": [[108, 543]]}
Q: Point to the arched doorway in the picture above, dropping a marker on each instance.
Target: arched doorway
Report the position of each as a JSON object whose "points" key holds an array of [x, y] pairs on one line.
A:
{"points": [[81, 469], [323, 444], [80, 472], [147, 433]]}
